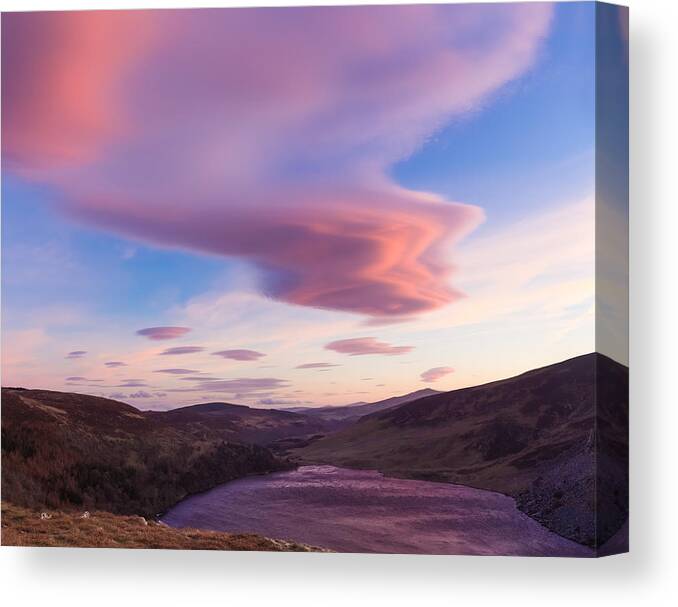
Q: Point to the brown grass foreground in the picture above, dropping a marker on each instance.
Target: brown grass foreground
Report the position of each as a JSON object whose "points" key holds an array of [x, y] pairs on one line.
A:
{"points": [[24, 527]]}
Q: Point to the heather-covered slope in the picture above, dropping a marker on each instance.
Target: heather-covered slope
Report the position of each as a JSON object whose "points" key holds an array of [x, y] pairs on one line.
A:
{"points": [[63, 450], [542, 437]]}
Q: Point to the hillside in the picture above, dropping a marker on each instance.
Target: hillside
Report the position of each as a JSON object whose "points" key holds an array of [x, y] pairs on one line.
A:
{"points": [[63, 450], [23, 527], [347, 414], [538, 437], [241, 423]]}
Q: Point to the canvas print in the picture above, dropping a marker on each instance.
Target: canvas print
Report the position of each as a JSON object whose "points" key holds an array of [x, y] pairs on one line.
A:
{"points": [[331, 279]]}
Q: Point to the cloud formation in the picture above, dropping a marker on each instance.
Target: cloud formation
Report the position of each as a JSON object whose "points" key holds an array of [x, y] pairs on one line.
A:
{"points": [[436, 373], [114, 364], [161, 333], [243, 385], [132, 383], [181, 350], [79, 380], [239, 354], [316, 366], [359, 346], [177, 371], [76, 354], [264, 135]]}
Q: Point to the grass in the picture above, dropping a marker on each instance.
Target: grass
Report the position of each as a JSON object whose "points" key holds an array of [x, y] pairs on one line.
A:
{"points": [[24, 527]]}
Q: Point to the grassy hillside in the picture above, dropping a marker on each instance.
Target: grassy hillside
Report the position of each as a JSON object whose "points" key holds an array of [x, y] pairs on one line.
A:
{"points": [[542, 437], [23, 527], [63, 450]]}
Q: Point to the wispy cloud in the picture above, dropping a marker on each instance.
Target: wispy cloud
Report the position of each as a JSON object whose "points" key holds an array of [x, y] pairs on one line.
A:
{"points": [[239, 354], [436, 373], [177, 371], [359, 346], [161, 333], [181, 350], [114, 364], [76, 354], [132, 383], [80, 379], [244, 385], [316, 366]]}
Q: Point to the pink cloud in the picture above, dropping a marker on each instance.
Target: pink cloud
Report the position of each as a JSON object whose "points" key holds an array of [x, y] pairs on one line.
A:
{"points": [[315, 366], [243, 385], [239, 354], [359, 346], [159, 333], [265, 135], [177, 371], [181, 350], [436, 373], [71, 56]]}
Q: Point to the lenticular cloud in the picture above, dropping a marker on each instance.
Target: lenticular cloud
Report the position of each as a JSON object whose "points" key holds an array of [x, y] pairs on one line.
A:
{"points": [[264, 135]]}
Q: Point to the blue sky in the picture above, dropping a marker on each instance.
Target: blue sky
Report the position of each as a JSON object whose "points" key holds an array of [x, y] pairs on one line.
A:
{"points": [[509, 156]]}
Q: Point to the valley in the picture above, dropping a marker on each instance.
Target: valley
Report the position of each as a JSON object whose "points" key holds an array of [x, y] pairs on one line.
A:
{"points": [[552, 440]]}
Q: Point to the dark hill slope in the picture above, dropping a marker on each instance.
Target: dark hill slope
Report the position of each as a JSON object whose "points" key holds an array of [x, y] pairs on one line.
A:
{"points": [[538, 436], [241, 423], [62, 450]]}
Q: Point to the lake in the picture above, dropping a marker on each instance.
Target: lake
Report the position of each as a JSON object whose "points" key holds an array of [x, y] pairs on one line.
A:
{"points": [[364, 511]]}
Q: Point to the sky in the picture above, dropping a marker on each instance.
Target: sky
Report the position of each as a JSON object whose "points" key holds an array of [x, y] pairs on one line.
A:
{"points": [[304, 206]]}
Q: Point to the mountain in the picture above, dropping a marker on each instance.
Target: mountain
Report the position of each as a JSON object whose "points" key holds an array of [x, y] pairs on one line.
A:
{"points": [[62, 450], [346, 414], [241, 423], [555, 438]]}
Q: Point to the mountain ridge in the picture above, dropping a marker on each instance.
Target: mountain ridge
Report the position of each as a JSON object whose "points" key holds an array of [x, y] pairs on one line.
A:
{"points": [[353, 411]]}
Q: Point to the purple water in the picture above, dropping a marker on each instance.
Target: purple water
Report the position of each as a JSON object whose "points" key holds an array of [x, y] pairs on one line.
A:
{"points": [[363, 511]]}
